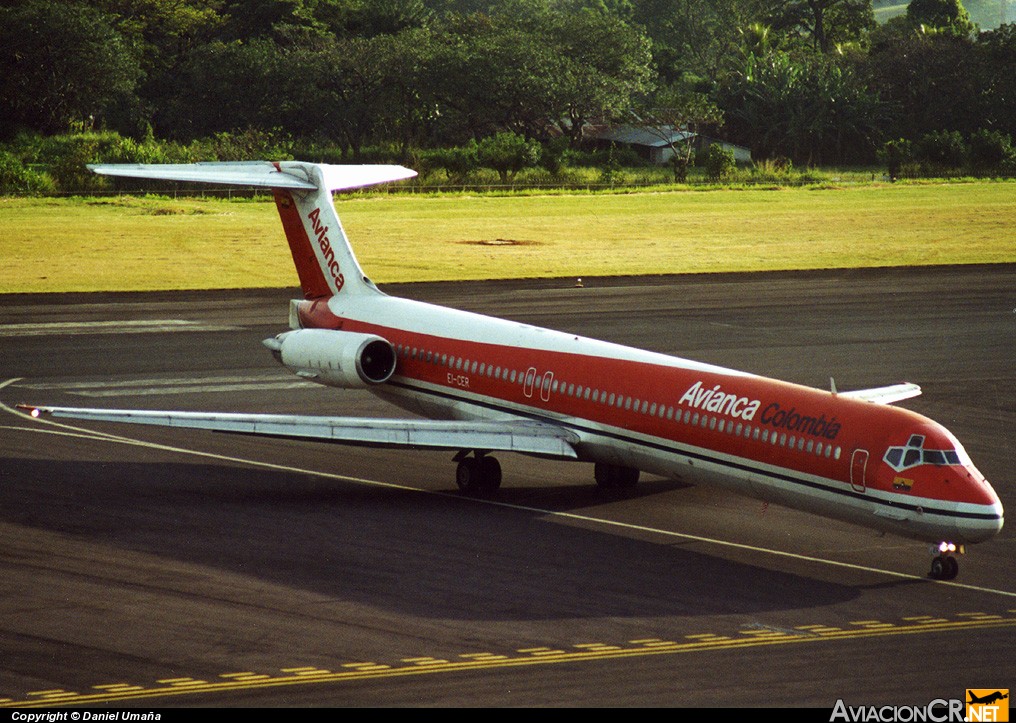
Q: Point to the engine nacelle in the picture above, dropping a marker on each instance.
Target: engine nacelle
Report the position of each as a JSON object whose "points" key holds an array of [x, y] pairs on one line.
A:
{"points": [[336, 358]]}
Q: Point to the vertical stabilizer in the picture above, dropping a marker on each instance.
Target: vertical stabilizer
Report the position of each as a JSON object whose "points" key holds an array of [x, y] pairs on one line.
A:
{"points": [[324, 259], [303, 195]]}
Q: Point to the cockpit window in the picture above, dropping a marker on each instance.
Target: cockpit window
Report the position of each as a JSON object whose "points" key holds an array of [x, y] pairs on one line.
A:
{"points": [[914, 455]]}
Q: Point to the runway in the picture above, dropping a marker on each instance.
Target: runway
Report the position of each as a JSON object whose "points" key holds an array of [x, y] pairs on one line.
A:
{"points": [[148, 568]]}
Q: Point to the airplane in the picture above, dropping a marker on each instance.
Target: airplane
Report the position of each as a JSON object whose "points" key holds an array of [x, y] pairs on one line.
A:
{"points": [[989, 699], [485, 385]]}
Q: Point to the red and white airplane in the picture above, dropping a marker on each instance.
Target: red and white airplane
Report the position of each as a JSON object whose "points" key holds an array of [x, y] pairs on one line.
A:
{"points": [[489, 385]]}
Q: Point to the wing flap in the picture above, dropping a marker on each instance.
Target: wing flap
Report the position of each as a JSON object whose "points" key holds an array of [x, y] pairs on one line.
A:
{"points": [[885, 395], [523, 437]]}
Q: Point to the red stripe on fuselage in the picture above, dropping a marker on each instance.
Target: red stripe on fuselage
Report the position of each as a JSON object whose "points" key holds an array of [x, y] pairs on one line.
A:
{"points": [[859, 424], [652, 386]]}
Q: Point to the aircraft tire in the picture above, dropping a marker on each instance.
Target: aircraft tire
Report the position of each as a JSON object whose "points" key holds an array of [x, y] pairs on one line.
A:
{"points": [[490, 474], [952, 568], [944, 567], [615, 477], [467, 475], [478, 476]]}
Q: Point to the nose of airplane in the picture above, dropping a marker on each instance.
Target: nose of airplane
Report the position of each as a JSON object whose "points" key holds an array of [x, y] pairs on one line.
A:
{"points": [[986, 516]]}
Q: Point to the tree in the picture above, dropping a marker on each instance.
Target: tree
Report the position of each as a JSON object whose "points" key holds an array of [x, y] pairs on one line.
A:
{"points": [[719, 162], [928, 81], [223, 87], [989, 150], [894, 154], [508, 153], [62, 64], [161, 33], [946, 15], [942, 150], [603, 65], [825, 23], [530, 66], [996, 54], [490, 74], [677, 116], [813, 110]]}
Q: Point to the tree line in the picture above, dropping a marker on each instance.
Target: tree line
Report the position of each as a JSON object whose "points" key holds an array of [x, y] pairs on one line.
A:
{"points": [[809, 82]]}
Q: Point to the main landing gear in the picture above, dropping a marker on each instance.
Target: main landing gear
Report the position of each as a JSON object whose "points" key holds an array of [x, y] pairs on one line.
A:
{"points": [[615, 477], [944, 565], [479, 475]]}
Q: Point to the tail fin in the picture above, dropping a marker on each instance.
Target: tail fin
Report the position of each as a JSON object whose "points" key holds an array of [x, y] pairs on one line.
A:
{"points": [[303, 194]]}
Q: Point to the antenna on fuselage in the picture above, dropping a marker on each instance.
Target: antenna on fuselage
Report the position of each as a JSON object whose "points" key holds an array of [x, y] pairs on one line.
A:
{"points": [[832, 385]]}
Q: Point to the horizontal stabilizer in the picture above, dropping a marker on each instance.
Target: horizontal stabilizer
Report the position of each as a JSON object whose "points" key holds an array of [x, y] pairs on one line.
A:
{"points": [[885, 395], [260, 174], [523, 437]]}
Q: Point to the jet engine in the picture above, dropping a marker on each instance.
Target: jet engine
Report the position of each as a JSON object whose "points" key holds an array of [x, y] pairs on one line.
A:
{"points": [[336, 358]]}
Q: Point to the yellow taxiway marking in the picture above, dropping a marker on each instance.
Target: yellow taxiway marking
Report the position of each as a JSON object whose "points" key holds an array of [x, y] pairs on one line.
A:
{"points": [[697, 643]]}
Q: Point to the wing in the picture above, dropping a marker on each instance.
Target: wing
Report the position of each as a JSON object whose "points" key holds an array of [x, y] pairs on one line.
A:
{"points": [[885, 395], [509, 436]]}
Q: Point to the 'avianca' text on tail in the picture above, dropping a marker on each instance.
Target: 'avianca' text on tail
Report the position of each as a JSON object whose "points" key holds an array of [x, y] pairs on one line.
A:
{"points": [[488, 385]]}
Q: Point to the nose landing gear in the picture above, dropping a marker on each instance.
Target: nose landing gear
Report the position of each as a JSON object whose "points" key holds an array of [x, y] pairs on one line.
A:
{"points": [[944, 566]]}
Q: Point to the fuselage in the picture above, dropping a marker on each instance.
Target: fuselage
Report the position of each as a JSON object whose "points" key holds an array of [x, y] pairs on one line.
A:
{"points": [[872, 464]]}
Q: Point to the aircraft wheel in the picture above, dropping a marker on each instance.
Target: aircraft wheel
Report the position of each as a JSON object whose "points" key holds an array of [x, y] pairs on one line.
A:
{"points": [[615, 477], [627, 478], [602, 474], [944, 567], [952, 568], [490, 474], [467, 475], [478, 476]]}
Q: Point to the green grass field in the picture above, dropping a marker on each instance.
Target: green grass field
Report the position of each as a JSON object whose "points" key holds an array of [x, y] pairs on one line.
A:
{"points": [[55, 245]]}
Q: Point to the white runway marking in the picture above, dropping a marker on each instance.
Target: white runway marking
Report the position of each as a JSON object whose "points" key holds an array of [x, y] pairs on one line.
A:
{"points": [[177, 385], [61, 428], [148, 326]]}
